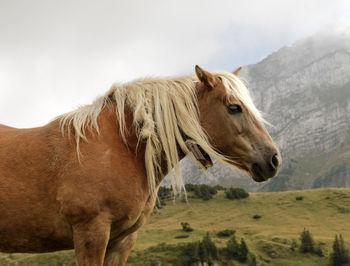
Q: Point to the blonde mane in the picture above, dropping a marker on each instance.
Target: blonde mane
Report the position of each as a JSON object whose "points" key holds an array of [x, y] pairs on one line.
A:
{"points": [[164, 110]]}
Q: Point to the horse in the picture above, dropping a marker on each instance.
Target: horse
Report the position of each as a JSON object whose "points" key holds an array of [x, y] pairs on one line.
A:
{"points": [[88, 180]]}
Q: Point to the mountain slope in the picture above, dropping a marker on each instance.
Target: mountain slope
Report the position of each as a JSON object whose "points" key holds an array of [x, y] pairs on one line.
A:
{"points": [[304, 90]]}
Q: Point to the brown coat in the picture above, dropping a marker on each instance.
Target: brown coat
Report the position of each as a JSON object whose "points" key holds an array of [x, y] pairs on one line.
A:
{"points": [[51, 199]]}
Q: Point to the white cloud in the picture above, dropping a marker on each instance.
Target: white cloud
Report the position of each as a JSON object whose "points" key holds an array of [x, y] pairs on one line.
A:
{"points": [[56, 55]]}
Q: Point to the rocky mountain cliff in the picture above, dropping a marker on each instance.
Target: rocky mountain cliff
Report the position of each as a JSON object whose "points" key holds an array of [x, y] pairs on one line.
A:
{"points": [[304, 90]]}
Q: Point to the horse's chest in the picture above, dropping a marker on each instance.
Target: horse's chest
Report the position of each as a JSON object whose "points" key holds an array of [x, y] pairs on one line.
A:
{"points": [[133, 220]]}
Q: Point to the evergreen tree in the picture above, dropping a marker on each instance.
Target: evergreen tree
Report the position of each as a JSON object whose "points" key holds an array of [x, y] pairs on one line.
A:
{"points": [[344, 251], [189, 254], [232, 248], [196, 254], [335, 256], [202, 253], [210, 247], [307, 242], [340, 255], [242, 251]]}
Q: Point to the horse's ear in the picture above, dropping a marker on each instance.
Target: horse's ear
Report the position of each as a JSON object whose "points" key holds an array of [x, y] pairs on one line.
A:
{"points": [[205, 77], [237, 71]]}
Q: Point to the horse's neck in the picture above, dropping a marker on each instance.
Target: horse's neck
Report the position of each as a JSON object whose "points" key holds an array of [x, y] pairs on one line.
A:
{"points": [[134, 144], [108, 124]]}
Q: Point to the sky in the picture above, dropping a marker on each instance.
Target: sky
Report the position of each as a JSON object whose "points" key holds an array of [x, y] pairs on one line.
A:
{"points": [[58, 55]]}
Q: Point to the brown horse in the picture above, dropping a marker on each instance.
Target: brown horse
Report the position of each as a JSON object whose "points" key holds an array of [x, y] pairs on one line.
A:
{"points": [[88, 179]]}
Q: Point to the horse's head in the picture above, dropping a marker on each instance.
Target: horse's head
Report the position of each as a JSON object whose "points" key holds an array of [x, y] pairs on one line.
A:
{"points": [[234, 125]]}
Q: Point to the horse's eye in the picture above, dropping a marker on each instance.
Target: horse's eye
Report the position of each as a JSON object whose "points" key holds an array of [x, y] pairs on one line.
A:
{"points": [[234, 109]]}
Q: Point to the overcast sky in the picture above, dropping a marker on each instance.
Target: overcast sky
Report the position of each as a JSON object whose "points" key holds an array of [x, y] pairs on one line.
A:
{"points": [[57, 55]]}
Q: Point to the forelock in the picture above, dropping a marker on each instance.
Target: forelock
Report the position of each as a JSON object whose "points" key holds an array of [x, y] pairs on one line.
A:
{"points": [[236, 88]]}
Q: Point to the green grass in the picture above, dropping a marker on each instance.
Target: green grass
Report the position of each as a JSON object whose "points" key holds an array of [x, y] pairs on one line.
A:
{"points": [[60, 258], [324, 212]]}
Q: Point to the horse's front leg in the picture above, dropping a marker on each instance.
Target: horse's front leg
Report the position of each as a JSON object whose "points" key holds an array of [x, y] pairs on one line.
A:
{"points": [[90, 241], [118, 251]]}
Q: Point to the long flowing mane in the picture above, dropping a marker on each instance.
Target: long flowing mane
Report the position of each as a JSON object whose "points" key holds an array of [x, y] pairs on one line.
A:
{"points": [[164, 111]]}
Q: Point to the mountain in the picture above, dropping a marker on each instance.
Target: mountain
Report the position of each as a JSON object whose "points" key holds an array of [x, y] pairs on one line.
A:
{"points": [[304, 90]]}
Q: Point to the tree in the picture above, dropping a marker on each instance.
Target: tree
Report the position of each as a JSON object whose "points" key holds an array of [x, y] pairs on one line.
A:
{"points": [[340, 255], [307, 242], [210, 247], [232, 248], [202, 253], [189, 254], [242, 251]]}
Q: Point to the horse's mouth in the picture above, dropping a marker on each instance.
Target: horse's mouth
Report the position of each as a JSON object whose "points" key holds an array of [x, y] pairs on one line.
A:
{"points": [[257, 174]]}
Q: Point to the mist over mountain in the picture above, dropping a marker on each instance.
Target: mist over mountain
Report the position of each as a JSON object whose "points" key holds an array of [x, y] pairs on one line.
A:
{"points": [[304, 90]]}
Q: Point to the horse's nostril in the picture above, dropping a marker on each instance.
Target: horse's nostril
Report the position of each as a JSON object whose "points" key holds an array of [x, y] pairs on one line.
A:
{"points": [[275, 161]]}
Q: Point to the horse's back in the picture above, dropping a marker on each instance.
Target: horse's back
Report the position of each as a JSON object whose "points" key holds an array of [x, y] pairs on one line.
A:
{"points": [[28, 185], [20, 147], [5, 129], [4, 126]]}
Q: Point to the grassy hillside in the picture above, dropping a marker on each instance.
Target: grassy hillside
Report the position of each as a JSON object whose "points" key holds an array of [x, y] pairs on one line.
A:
{"points": [[324, 212]]}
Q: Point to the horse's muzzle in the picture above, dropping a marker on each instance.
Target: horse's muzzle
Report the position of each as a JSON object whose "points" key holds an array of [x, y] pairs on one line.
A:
{"points": [[265, 169]]}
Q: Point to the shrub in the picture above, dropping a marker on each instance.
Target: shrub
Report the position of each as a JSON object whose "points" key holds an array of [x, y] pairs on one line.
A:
{"points": [[257, 216], [190, 187], [159, 204], [219, 187], [164, 193], [236, 193], [182, 236], [204, 191], [299, 198], [201, 191], [319, 250], [293, 245], [225, 233], [186, 227]]}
